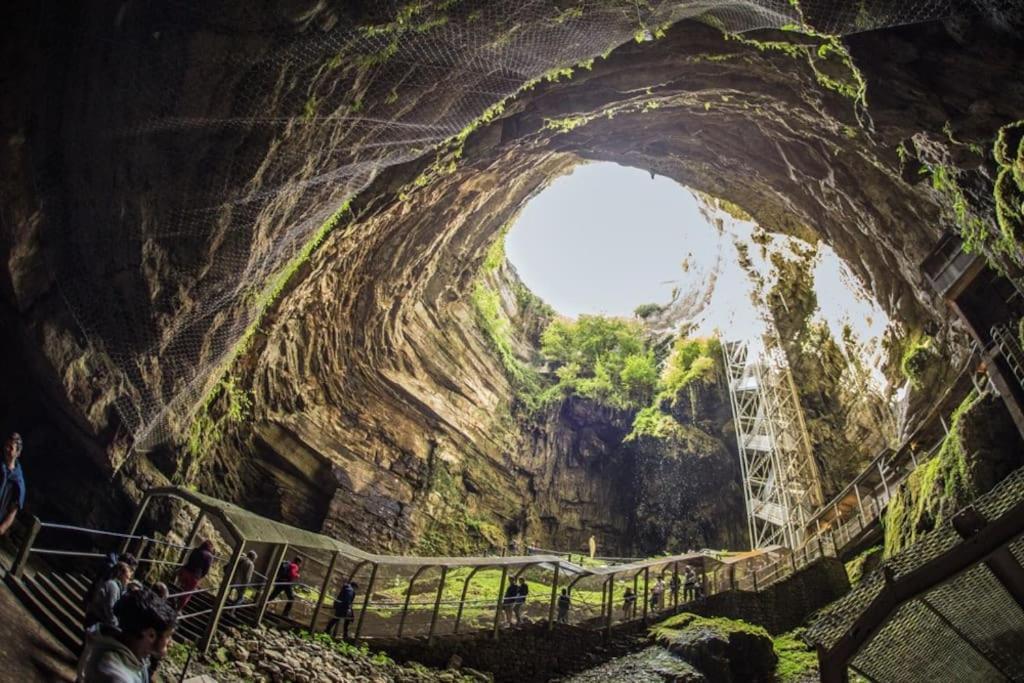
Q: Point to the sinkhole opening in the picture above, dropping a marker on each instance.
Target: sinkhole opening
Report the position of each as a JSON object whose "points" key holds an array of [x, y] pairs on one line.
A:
{"points": [[620, 242]]}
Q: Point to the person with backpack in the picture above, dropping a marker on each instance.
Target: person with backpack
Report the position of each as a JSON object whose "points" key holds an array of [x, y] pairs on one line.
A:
{"points": [[287, 576], [564, 603], [196, 567], [100, 609], [146, 625], [343, 610]]}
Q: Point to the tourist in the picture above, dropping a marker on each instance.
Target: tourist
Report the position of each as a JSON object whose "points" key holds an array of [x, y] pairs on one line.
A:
{"points": [[243, 577], [161, 590], [657, 593], [520, 602], [690, 592], [107, 572], [12, 483], [287, 576], [343, 610], [628, 604], [509, 601], [121, 655], [564, 603], [196, 567], [100, 609], [674, 585]]}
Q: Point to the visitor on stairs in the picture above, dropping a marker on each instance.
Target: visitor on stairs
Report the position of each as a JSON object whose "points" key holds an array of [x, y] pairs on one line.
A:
{"points": [[520, 602], [287, 576], [509, 602], [243, 577], [196, 567], [122, 655], [12, 483], [343, 610], [108, 571], [100, 609], [564, 603]]}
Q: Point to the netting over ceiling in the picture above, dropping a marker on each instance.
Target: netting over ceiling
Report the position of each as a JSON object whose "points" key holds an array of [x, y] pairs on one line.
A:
{"points": [[203, 145]]}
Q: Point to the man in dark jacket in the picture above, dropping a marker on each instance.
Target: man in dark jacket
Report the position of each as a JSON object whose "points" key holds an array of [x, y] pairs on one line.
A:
{"points": [[12, 483], [343, 610], [287, 578], [521, 593]]}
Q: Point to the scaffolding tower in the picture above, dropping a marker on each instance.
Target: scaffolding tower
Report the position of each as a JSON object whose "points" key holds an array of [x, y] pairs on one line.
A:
{"points": [[781, 484]]}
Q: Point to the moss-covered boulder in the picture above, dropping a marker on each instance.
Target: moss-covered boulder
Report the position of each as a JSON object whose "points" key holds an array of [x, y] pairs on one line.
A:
{"points": [[652, 665], [724, 650]]}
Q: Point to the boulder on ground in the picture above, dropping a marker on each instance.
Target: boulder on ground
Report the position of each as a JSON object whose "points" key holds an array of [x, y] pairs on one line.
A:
{"points": [[724, 650]]}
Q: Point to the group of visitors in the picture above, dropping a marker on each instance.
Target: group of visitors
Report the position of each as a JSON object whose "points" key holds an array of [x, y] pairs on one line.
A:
{"points": [[128, 627], [514, 601]]}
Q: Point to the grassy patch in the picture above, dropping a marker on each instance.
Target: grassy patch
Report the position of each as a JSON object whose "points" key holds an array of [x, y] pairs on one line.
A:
{"points": [[797, 661], [855, 567]]}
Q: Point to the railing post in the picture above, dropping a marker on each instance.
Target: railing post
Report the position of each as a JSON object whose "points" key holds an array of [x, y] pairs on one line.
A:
{"points": [[611, 604], [366, 600], [753, 575], [885, 484], [462, 600], [501, 598], [323, 591], [437, 605], [276, 557], [554, 599], [676, 586], [19, 563], [191, 538], [135, 523], [860, 504], [408, 598], [222, 596], [647, 579]]}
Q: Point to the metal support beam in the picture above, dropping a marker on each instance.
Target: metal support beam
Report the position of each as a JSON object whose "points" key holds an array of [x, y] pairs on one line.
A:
{"points": [[554, 600], [676, 586], [462, 600], [135, 523], [191, 538], [26, 548], [222, 597], [860, 506], [437, 605], [1001, 563], [611, 606], [500, 601], [408, 597], [323, 591], [647, 579], [366, 600], [276, 557]]}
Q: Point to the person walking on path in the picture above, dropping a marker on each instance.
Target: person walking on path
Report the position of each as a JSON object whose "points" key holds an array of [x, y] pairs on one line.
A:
{"points": [[122, 655], [521, 593], [12, 483], [243, 577], [508, 603], [195, 569], [657, 593], [343, 610], [101, 607], [690, 591], [628, 604], [287, 576], [564, 603]]}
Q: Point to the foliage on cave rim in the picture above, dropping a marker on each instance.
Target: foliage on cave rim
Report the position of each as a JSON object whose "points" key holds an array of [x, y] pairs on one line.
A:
{"points": [[917, 354], [936, 488]]}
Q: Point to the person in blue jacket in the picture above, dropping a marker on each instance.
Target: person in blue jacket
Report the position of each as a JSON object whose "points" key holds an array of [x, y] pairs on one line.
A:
{"points": [[12, 483]]}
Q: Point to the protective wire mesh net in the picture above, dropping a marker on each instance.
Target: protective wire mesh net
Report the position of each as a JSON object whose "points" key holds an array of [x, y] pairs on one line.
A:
{"points": [[216, 142], [967, 629]]}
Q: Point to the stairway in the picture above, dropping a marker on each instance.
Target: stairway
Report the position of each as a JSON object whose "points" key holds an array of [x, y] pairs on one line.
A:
{"points": [[56, 600]]}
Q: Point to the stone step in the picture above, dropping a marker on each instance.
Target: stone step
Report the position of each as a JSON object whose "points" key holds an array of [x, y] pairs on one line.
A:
{"points": [[69, 636]]}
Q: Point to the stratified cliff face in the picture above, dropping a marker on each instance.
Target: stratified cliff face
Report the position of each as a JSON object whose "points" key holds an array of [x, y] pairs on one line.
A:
{"points": [[373, 405]]}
